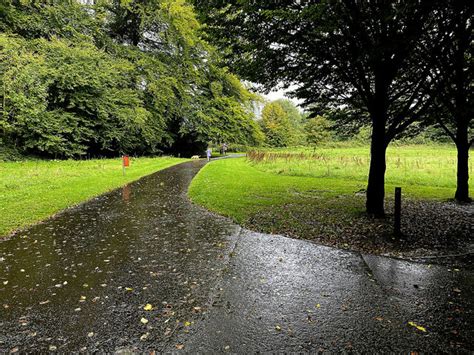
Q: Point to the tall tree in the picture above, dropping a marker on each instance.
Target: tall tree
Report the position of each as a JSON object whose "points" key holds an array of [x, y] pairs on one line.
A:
{"points": [[276, 125], [453, 63], [199, 111], [364, 55], [295, 117]]}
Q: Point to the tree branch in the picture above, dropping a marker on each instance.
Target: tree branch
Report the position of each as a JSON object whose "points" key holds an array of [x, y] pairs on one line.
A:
{"points": [[446, 129]]}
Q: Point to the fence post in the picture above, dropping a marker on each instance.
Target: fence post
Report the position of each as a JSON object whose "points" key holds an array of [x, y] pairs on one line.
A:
{"points": [[398, 211]]}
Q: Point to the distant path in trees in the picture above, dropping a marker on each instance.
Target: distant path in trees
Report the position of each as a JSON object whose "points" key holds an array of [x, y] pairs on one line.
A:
{"points": [[142, 268]]}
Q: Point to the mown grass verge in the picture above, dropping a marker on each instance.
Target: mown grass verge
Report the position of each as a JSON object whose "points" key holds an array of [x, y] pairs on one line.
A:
{"points": [[31, 191]]}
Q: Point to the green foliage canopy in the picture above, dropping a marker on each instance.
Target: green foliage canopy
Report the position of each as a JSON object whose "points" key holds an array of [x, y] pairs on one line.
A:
{"points": [[114, 77]]}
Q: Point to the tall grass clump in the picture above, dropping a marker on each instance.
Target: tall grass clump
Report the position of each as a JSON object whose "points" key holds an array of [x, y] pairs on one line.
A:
{"points": [[424, 165]]}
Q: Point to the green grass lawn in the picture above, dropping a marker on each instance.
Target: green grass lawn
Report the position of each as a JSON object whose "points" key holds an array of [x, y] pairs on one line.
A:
{"points": [[31, 191], [239, 187], [236, 188]]}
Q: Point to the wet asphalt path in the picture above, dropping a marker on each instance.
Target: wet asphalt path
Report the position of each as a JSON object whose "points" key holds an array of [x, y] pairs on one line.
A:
{"points": [[80, 282]]}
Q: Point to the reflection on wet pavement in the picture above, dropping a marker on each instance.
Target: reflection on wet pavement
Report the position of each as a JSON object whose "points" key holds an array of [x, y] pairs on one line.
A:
{"points": [[126, 192], [141, 268]]}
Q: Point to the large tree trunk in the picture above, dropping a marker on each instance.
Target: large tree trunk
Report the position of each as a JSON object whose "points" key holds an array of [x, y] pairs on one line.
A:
{"points": [[462, 144], [376, 184]]}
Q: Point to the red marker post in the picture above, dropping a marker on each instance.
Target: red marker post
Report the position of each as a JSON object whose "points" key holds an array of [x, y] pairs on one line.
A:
{"points": [[125, 163]]}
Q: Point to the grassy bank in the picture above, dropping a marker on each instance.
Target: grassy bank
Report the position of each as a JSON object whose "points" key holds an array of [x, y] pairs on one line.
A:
{"points": [[33, 190], [314, 195]]}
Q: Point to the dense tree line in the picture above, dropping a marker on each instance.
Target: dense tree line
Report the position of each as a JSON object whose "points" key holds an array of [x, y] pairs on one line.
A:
{"points": [[393, 66], [109, 77]]}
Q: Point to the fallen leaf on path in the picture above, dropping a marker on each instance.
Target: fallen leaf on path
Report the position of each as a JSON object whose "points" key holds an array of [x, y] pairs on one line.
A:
{"points": [[419, 327], [277, 327], [144, 320], [148, 307], [128, 289], [179, 346]]}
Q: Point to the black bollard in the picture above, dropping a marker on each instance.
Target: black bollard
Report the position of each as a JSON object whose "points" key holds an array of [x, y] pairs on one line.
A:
{"points": [[398, 211]]}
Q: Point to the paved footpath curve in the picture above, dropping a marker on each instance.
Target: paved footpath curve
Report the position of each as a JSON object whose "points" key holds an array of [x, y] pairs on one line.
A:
{"points": [[81, 281]]}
